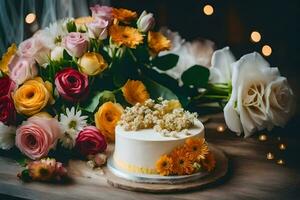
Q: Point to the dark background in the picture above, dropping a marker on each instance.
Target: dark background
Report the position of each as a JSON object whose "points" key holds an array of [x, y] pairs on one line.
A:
{"points": [[230, 25]]}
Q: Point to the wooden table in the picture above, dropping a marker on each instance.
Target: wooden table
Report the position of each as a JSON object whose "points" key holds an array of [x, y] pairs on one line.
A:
{"points": [[251, 175]]}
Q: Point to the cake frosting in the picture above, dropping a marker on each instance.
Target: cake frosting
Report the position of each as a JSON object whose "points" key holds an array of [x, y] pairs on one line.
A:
{"points": [[138, 151]]}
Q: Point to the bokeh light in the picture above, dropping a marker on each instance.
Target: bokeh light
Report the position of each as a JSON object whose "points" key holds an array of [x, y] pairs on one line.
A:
{"points": [[30, 18], [208, 9], [266, 50], [255, 36]]}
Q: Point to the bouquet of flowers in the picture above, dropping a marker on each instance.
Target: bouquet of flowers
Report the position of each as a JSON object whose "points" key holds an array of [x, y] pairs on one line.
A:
{"points": [[67, 85]]}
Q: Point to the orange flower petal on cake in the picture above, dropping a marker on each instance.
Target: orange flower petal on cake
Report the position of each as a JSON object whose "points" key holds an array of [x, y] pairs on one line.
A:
{"points": [[135, 92], [197, 148], [164, 166], [107, 118], [157, 42], [183, 165], [11, 51], [125, 35], [124, 15], [209, 163]]}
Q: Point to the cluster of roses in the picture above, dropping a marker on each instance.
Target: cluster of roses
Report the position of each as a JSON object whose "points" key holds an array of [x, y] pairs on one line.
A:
{"points": [[37, 100]]}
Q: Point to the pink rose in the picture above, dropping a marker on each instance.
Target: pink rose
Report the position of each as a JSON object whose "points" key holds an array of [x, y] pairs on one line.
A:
{"points": [[7, 86], [22, 69], [37, 136], [90, 141], [35, 48], [75, 43], [7, 111], [103, 12], [98, 28], [72, 85]]}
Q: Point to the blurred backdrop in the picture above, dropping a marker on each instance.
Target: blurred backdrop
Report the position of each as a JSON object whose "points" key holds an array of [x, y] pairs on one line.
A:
{"points": [[269, 27]]}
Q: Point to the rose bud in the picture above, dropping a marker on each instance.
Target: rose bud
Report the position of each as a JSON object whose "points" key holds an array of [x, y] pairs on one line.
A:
{"points": [[75, 43], [97, 29], [90, 141], [145, 22], [92, 63]]}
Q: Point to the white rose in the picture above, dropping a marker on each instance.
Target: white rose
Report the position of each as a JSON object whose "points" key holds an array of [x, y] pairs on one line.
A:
{"points": [[246, 110], [57, 53], [280, 101], [221, 66], [198, 52], [145, 22], [7, 136]]}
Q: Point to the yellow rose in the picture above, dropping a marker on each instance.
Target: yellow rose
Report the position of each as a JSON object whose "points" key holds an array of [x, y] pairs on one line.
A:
{"points": [[107, 117], [92, 63], [11, 51], [33, 96], [135, 92]]}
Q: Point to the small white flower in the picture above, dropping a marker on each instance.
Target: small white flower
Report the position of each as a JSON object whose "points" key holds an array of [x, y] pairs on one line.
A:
{"points": [[71, 123], [7, 136]]}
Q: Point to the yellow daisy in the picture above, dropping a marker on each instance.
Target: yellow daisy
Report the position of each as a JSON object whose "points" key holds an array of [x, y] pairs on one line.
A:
{"points": [[124, 15], [158, 42], [164, 166], [125, 35], [135, 92], [11, 51]]}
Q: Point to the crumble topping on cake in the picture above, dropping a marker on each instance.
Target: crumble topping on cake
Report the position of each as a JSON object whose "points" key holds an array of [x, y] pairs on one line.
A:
{"points": [[165, 116]]}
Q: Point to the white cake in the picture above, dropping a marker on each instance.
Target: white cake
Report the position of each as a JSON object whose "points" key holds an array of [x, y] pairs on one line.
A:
{"points": [[138, 151]]}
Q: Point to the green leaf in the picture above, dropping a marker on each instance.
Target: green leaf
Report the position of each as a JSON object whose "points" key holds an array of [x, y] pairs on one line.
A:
{"points": [[196, 75], [99, 99], [22, 161], [71, 26], [66, 55], [165, 62], [157, 90]]}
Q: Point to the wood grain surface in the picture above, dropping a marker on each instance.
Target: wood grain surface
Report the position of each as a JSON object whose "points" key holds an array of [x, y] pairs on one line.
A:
{"points": [[251, 175]]}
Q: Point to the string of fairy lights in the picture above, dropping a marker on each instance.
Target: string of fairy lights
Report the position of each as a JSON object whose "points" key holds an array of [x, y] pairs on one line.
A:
{"points": [[266, 50]]}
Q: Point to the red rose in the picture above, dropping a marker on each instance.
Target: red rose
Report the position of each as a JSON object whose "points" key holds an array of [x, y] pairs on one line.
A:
{"points": [[7, 86], [90, 141], [72, 85], [7, 110]]}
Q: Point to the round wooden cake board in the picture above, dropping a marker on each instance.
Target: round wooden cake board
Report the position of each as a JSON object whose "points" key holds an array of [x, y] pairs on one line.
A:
{"points": [[212, 177]]}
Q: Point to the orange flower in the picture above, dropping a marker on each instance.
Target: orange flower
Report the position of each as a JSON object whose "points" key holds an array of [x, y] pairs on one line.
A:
{"points": [[209, 162], [41, 171], [83, 20], [197, 148], [107, 118], [124, 15], [125, 35], [182, 163], [7, 57], [164, 166], [135, 92], [158, 42]]}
